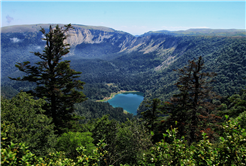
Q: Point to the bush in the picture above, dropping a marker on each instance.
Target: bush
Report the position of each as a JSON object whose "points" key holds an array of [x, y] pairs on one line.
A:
{"points": [[28, 123], [68, 142], [230, 150]]}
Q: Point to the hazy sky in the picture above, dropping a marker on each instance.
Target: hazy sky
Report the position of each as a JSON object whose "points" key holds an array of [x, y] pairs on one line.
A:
{"points": [[135, 17]]}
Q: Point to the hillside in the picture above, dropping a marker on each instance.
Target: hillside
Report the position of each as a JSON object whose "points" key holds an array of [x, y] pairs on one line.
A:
{"points": [[144, 63]]}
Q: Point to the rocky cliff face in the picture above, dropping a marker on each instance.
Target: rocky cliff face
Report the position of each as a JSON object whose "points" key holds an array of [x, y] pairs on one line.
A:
{"points": [[89, 41], [84, 35]]}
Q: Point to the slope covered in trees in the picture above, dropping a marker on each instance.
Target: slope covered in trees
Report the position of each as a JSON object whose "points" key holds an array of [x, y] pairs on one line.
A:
{"points": [[152, 73], [226, 62], [108, 142]]}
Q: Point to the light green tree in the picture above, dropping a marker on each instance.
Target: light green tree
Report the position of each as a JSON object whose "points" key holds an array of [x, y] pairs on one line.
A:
{"points": [[68, 142], [28, 123]]}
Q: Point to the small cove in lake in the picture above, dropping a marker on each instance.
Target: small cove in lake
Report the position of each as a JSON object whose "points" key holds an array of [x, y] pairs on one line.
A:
{"points": [[129, 101]]}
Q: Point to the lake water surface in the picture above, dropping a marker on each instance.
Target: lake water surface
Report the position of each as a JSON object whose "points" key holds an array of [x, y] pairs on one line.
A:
{"points": [[128, 101]]}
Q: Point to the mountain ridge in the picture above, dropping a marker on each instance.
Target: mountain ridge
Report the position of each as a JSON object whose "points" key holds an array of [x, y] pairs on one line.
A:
{"points": [[202, 32], [144, 63], [91, 42]]}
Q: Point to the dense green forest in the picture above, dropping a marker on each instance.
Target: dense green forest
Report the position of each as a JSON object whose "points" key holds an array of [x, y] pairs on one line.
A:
{"points": [[152, 73], [193, 113]]}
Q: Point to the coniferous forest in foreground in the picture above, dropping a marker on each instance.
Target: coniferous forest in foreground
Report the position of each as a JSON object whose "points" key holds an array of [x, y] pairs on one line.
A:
{"points": [[198, 118]]}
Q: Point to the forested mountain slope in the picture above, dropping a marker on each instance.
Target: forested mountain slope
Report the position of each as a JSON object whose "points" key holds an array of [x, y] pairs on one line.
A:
{"points": [[227, 59], [144, 63]]}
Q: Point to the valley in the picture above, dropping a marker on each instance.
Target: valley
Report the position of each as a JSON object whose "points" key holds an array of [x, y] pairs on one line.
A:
{"points": [[144, 63]]}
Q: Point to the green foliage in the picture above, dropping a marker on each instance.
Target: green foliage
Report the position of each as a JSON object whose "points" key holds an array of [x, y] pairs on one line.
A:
{"points": [[151, 115], [19, 154], [93, 110], [125, 142], [230, 150], [234, 105], [8, 92], [98, 91], [28, 123], [132, 140], [54, 78], [13, 153], [241, 119], [229, 64], [68, 142], [106, 130]]}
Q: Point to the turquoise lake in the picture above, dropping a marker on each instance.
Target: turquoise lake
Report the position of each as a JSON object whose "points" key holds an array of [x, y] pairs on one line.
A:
{"points": [[128, 101]]}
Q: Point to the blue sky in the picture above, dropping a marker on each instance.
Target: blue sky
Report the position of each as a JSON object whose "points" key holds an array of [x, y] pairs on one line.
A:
{"points": [[135, 17]]}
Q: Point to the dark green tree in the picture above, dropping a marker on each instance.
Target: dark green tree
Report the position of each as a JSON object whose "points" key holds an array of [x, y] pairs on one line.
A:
{"points": [[150, 116], [236, 104], [55, 79], [192, 107]]}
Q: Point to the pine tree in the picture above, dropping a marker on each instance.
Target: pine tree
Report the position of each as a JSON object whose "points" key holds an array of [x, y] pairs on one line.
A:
{"points": [[56, 81], [192, 107], [150, 116]]}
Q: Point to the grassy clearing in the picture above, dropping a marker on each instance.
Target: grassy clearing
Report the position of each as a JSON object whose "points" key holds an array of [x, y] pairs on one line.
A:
{"points": [[125, 112]]}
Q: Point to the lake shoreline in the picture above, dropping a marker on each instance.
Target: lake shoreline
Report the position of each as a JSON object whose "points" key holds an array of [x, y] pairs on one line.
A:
{"points": [[113, 94]]}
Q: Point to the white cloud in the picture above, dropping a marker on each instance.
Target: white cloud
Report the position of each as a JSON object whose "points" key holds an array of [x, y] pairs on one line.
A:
{"points": [[15, 39], [38, 47]]}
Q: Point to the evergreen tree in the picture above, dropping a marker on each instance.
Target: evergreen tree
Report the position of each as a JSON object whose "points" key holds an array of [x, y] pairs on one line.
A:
{"points": [[55, 79], [150, 116], [192, 107]]}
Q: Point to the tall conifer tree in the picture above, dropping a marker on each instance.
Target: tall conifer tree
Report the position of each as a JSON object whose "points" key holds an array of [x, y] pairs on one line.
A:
{"points": [[150, 116], [192, 107], [56, 81]]}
